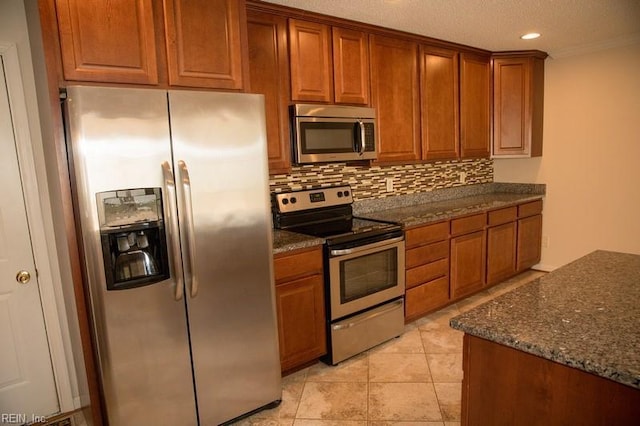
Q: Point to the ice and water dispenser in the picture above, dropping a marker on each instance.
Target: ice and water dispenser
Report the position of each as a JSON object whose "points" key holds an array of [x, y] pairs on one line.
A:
{"points": [[132, 232]]}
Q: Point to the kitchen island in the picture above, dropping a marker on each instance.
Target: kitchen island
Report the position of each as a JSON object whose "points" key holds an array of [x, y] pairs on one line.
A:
{"points": [[563, 349]]}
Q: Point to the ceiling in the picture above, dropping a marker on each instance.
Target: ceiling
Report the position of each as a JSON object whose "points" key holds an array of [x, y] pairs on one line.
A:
{"points": [[568, 27]]}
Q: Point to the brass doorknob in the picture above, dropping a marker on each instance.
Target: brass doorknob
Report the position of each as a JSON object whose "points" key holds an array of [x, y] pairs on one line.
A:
{"points": [[23, 277]]}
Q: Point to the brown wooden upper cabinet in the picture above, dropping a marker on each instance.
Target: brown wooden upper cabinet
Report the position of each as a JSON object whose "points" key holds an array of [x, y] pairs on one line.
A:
{"points": [[310, 61], [111, 42], [439, 103], [269, 76], [204, 43], [122, 42], [455, 104], [395, 96], [350, 66], [475, 105], [518, 98], [328, 64]]}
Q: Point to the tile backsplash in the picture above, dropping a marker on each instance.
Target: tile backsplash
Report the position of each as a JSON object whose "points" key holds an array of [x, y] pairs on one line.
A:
{"points": [[371, 182]]}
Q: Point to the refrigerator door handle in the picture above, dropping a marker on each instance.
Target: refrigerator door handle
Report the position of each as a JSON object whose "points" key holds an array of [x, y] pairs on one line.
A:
{"points": [[174, 232], [191, 279]]}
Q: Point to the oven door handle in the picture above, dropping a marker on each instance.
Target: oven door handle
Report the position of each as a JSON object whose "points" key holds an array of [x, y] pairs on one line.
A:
{"points": [[389, 308], [344, 252]]}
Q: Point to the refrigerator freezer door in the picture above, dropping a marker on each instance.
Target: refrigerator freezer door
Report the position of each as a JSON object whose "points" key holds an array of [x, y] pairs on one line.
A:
{"points": [[119, 138], [219, 149]]}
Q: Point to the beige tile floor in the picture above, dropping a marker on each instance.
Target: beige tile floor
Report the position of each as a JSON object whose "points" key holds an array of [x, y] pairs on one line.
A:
{"points": [[412, 380]]}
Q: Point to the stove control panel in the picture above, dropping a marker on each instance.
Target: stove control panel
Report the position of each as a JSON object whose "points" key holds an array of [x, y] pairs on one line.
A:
{"points": [[310, 199]]}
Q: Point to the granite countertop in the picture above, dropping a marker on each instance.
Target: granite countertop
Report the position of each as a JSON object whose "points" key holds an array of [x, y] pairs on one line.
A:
{"points": [[584, 315], [420, 214], [421, 208], [287, 241]]}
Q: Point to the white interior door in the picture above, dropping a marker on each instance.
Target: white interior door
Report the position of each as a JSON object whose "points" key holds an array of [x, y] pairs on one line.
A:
{"points": [[27, 386]]}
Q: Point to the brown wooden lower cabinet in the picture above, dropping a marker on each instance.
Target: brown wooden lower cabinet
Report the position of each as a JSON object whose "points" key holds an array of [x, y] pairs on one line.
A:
{"points": [[426, 298], [427, 262], [300, 307], [501, 244], [449, 260], [501, 252], [468, 260], [529, 241], [505, 386]]}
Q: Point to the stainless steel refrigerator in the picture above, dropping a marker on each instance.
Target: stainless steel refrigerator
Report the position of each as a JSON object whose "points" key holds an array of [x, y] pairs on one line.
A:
{"points": [[172, 198]]}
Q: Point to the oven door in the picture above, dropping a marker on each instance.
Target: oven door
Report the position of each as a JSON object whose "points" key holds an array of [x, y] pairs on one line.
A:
{"points": [[365, 276]]}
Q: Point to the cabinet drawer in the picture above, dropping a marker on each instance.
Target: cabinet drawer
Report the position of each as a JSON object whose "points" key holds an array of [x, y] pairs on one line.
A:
{"points": [[301, 263], [425, 254], [498, 217], [530, 209], [464, 225], [427, 234], [428, 272], [426, 297]]}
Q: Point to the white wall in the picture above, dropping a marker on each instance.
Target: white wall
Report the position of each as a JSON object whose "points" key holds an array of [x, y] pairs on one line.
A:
{"points": [[591, 155]]}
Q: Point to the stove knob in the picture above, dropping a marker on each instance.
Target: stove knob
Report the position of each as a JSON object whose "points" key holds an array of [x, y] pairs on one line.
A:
{"points": [[293, 200], [339, 194], [346, 193], [285, 201]]}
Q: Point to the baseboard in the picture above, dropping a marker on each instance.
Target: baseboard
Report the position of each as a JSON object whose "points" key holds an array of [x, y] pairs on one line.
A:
{"points": [[544, 267]]}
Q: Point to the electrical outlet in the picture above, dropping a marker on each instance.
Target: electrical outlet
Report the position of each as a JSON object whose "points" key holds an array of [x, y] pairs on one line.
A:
{"points": [[545, 241], [389, 182], [463, 177]]}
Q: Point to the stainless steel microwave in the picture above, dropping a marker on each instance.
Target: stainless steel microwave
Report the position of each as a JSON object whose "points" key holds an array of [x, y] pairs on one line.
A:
{"points": [[326, 133]]}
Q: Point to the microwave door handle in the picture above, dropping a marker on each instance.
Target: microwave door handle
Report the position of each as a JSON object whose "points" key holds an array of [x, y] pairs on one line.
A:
{"points": [[361, 136], [170, 196]]}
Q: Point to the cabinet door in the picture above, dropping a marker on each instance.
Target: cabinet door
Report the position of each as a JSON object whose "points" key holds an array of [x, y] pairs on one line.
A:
{"points": [[518, 93], [350, 66], [529, 241], [475, 106], [269, 75], [110, 42], [501, 252], [511, 100], [468, 259], [394, 91], [310, 60], [204, 43], [439, 103], [301, 321]]}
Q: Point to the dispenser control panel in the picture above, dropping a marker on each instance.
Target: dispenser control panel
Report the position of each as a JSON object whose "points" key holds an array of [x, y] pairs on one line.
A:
{"points": [[134, 243]]}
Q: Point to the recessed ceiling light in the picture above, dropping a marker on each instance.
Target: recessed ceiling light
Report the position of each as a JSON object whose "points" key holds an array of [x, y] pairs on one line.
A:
{"points": [[529, 36]]}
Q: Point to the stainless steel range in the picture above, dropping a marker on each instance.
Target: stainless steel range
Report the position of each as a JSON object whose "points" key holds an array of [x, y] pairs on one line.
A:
{"points": [[363, 262]]}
